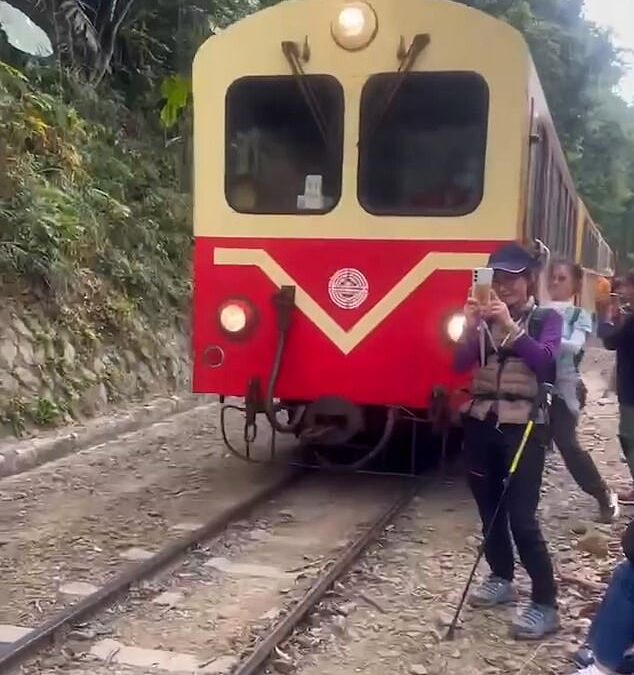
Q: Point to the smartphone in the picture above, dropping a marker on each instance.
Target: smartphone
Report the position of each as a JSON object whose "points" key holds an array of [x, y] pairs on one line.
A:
{"points": [[482, 284]]}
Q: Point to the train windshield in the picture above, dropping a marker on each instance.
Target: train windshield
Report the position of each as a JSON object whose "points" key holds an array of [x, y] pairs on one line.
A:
{"points": [[279, 158], [423, 143]]}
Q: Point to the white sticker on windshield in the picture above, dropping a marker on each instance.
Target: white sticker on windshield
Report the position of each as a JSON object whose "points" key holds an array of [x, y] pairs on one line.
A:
{"points": [[313, 198]]}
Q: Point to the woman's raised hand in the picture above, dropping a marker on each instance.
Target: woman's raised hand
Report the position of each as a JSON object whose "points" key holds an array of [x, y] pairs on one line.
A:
{"points": [[499, 312], [473, 313]]}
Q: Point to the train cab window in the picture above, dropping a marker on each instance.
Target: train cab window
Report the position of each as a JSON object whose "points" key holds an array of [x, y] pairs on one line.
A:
{"points": [[284, 144], [423, 147]]}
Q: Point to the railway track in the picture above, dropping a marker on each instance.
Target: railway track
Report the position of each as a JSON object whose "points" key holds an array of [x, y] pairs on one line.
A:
{"points": [[297, 537], [51, 630], [323, 582]]}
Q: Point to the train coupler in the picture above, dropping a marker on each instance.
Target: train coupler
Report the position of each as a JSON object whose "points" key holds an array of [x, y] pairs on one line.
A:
{"points": [[254, 405]]}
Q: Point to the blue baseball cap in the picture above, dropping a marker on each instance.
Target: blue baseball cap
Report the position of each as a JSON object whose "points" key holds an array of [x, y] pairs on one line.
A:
{"points": [[512, 258]]}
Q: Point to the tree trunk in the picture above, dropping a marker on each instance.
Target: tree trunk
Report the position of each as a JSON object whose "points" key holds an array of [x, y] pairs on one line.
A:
{"points": [[108, 33]]}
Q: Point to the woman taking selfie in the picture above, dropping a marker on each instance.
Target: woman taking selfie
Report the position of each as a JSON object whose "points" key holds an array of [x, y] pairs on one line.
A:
{"points": [[564, 282], [513, 346]]}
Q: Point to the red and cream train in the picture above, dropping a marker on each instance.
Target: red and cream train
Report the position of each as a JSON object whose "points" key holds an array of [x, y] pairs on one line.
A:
{"points": [[354, 161]]}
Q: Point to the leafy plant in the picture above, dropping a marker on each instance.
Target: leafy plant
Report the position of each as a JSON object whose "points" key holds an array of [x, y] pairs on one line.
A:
{"points": [[82, 203], [176, 91], [45, 413], [14, 416]]}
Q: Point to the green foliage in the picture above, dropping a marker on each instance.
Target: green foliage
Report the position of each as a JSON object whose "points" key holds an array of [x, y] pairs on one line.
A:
{"points": [[44, 412], [176, 91], [84, 205], [14, 416], [579, 68], [93, 202]]}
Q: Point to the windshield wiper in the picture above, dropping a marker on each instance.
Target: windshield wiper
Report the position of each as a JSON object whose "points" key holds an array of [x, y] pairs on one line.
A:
{"points": [[407, 61], [293, 56]]}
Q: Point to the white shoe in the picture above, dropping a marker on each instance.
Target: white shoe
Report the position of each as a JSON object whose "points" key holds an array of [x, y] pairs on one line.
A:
{"points": [[614, 503], [591, 670], [610, 512]]}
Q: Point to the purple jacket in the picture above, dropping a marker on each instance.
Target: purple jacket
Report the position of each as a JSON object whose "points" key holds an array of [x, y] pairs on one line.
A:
{"points": [[539, 355]]}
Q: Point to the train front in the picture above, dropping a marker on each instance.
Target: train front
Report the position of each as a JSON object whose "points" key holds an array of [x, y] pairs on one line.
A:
{"points": [[353, 164]]}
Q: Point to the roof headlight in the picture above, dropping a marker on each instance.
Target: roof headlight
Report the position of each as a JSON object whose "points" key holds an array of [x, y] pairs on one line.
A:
{"points": [[355, 26]]}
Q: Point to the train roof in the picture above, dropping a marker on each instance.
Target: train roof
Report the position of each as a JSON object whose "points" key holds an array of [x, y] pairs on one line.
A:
{"points": [[294, 19]]}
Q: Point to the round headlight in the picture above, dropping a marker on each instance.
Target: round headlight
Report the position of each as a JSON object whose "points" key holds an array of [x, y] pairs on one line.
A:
{"points": [[355, 26], [236, 317], [455, 327], [233, 318]]}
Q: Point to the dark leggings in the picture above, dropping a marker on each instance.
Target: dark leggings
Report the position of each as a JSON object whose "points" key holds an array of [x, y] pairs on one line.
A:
{"points": [[489, 451], [563, 424], [612, 632]]}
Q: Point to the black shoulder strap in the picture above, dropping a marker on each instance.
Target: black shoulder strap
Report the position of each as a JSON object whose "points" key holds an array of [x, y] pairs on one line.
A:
{"points": [[534, 329], [536, 322], [578, 357], [574, 318]]}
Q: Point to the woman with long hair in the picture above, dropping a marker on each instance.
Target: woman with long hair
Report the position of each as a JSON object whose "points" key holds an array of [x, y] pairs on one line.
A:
{"points": [[521, 343], [564, 283]]}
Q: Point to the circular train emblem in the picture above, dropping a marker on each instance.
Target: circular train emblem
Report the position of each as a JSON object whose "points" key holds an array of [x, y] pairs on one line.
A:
{"points": [[348, 288]]}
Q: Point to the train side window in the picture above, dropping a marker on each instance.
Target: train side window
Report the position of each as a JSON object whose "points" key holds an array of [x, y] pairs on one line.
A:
{"points": [[565, 221], [558, 207], [589, 253], [279, 157], [540, 164], [534, 206], [572, 230], [422, 151], [560, 232], [552, 200]]}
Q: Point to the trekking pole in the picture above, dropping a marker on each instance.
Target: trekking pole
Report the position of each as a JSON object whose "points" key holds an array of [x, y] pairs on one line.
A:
{"points": [[542, 401]]}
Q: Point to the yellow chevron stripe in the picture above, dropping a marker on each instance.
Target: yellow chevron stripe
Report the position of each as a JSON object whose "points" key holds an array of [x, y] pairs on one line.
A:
{"points": [[347, 340]]}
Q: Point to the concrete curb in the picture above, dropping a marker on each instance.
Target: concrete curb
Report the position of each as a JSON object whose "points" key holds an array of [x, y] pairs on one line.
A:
{"points": [[18, 456]]}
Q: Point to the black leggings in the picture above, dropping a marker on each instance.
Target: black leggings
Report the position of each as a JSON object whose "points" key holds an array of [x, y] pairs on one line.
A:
{"points": [[581, 466], [489, 451]]}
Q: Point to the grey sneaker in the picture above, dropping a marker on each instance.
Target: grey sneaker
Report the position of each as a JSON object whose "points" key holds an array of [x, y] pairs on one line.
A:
{"points": [[492, 592], [535, 622], [609, 510]]}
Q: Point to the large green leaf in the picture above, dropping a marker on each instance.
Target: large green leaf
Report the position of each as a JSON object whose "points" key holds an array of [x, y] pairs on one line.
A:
{"points": [[176, 91]]}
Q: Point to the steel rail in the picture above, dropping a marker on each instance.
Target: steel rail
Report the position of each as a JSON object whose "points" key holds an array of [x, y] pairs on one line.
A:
{"points": [[32, 643], [282, 629]]}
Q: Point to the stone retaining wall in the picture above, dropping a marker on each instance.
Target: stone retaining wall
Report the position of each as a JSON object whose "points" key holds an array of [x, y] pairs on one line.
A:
{"points": [[61, 369]]}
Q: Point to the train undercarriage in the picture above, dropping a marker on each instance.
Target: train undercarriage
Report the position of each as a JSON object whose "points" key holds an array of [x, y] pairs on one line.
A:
{"points": [[334, 434]]}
